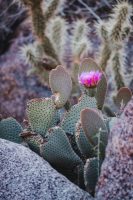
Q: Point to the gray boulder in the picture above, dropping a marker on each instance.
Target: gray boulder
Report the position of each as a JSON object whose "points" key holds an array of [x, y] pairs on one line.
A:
{"points": [[26, 176], [116, 179]]}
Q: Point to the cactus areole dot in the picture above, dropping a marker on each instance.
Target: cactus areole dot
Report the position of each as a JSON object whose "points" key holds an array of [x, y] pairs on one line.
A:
{"points": [[90, 79]]}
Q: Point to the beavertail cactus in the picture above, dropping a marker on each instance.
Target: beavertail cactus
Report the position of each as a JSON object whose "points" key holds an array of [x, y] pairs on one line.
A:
{"points": [[85, 147], [101, 91], [40, 114], [58, 151], [123, 97], [33, 140], [70, 119], [91, 174], [61, 85], [94, 80], [90, 79], [94, 127], [88, 65], [10, 130], [87, 98]]}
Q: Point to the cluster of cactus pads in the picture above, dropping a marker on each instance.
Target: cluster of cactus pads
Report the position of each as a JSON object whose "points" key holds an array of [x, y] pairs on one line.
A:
{"points": [[72, 141]]}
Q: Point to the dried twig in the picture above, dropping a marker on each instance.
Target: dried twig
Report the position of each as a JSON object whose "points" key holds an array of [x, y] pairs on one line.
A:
{"points": [[90, 10]]}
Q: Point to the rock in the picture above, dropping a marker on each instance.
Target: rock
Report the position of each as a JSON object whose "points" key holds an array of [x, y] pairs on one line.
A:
{"points": [[116, 179], [26, 176]]}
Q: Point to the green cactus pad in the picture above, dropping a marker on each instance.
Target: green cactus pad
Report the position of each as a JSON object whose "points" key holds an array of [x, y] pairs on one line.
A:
{"points": [[74, 146], [40, 114], [10, 130], [123, 97], [75, 175], [58, 151], [87, 65], [70, 119], [33, 140], [101, 91], [82, 142], [56, 119], [93, 124], [61, 85], [91, 174]]}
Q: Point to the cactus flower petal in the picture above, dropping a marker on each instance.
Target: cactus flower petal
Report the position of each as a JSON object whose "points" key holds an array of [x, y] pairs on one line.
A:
{"points": [[90, 79]]}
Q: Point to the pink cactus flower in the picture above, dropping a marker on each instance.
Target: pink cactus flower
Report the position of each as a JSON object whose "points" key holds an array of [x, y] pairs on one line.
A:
{"points": [[90, 79]]}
